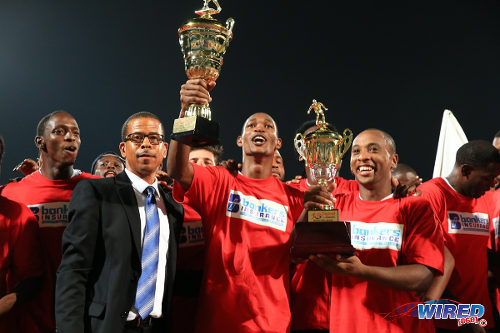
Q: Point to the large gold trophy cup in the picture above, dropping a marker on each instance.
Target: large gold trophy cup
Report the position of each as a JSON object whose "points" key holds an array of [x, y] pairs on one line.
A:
{"points": [[203, 41], [322, 151]]}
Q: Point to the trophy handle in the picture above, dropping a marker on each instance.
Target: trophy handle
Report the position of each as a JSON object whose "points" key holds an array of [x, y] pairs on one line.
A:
{"points": [[229, 27], [300, 146], [347, 142]]}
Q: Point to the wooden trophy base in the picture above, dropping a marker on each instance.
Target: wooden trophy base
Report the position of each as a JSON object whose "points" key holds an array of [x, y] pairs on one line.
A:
{"points": [[195, 131], [320, 237]]}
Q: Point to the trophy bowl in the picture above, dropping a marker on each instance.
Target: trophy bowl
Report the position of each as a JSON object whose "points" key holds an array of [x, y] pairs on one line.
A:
{"points": [[204, 41], [322, 151]]}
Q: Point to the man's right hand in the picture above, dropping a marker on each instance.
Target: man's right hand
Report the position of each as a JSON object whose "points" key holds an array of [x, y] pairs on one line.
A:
{"points": [[195, 91], [316, 197]]}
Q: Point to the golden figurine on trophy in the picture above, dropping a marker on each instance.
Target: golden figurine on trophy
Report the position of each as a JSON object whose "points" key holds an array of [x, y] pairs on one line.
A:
{"points": [[322, 151], [203, 41]]}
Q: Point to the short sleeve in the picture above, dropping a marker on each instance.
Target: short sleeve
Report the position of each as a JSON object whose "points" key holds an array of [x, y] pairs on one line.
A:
{"points": [[424, 243]]}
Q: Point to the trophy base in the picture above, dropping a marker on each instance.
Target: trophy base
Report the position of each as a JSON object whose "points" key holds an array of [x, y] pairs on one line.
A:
{"points": [[195, 131], [325, 237]]}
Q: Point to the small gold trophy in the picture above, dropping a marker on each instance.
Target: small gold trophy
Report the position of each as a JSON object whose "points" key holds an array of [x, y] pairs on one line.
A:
{"points": [[203, 41], [322, 151]]}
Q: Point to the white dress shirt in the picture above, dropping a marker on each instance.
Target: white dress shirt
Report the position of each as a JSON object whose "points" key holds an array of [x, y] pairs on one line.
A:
{"points": [[139, 186]]}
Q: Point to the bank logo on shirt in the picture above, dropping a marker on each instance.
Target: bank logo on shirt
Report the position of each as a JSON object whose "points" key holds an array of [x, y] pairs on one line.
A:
{"points": [[379, 235], [191, 234], [51, 214], [468, 223], [260, 211]]}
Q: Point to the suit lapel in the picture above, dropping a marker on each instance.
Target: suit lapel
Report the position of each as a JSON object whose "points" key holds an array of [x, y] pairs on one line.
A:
{"points": [[129, 203]]}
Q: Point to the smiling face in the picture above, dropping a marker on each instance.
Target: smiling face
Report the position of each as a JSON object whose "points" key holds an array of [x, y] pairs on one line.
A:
{"points": [[259, 136], [60, 142], [108, 166], [372, 159], [143, 159]]}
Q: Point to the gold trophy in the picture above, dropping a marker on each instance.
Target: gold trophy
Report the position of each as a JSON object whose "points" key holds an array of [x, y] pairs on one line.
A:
{"points": [[322, 151], [203, 41]]}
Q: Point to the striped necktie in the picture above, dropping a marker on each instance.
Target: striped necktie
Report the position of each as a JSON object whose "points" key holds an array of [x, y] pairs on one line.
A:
{"points": [[146, 286]]}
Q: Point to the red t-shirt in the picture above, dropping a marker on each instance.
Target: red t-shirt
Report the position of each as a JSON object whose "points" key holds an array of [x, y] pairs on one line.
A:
{"points": [[385, 233], [466, 228], [49, 202], [310, 286], [20, 257], [247, 224]]}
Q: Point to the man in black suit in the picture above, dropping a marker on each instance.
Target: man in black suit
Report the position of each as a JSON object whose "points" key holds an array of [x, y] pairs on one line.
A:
{"points": [[120, 227]]}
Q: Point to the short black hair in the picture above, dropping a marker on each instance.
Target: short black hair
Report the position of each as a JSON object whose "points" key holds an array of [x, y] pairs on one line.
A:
{"points": [[478, 153], [217, 150], [274, 121], [141, 114], [42, 124], [2, 147], [497, 135], [402, 168], [310, 123], [388, 138]]}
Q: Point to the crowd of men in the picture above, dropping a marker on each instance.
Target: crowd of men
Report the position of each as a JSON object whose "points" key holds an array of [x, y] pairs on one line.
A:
{"points": [[204, 246]]}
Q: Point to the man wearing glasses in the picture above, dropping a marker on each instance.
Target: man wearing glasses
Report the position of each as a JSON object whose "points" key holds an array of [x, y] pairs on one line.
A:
{"points": [[120, 247]]}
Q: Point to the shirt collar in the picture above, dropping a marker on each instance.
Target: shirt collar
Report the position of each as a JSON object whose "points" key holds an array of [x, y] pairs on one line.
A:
{"points": [[140, 184]]}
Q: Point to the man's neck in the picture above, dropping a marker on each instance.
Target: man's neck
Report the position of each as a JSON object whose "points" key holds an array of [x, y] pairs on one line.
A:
{"points": [[257, 167], [57, 172], [453, 180], [372, 192]]}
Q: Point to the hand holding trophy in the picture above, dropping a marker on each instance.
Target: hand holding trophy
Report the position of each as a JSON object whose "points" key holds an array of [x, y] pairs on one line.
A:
{"points": [[322, 151], [203, 41]]}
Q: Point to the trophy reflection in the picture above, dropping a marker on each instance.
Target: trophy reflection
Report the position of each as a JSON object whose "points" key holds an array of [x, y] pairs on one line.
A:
{"points": [[203, 41], [322, 151]]}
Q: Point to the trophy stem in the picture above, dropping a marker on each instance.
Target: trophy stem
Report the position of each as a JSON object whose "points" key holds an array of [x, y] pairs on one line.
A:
{"points": [[201, 110]]}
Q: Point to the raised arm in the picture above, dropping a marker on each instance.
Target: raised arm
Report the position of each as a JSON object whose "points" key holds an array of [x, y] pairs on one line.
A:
{"points": [[178, 166]]}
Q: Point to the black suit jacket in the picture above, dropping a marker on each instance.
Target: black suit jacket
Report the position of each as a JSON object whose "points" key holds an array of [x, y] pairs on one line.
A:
{"points": [[101, 263]]}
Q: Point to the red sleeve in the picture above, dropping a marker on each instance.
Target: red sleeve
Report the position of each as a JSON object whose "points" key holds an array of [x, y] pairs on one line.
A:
{"points": [[296, 200], [27, 259], [207, 190], [423, 235]]}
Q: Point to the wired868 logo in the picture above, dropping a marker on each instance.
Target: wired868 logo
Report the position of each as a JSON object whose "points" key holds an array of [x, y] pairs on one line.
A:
{"points": [[442, 309], [463, 313]]}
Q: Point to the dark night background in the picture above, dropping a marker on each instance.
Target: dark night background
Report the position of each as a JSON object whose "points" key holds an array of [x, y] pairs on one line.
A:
{"points": [[384, 64]]}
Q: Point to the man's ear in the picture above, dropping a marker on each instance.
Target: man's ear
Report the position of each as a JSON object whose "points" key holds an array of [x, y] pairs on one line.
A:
{"points": [[278, 144], [164, 150], [466, 170], [40, 142], [239, 141], [394, 160], [122, 150]]}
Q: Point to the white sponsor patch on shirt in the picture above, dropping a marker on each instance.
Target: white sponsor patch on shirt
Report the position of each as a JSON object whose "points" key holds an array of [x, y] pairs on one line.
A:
{"points": [[380, 235], [51, 214], [192, 234], [259, 211], [468, 223], [496, 222]]}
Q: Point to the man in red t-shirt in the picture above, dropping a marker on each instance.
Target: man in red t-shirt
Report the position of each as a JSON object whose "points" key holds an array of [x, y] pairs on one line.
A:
{"points": [[247, 219], [21, 268], [47, 193], [463, 211], [398, 242]]}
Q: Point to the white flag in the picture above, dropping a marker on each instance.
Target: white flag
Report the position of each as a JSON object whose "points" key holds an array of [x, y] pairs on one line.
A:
{"points": [[451, 138]]}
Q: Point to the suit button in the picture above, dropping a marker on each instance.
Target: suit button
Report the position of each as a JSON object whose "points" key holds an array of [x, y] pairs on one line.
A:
{"points": [[124, 314]]}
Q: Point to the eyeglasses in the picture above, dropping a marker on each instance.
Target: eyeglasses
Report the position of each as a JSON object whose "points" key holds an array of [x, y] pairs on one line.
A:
{"points": [[154, 139]]}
